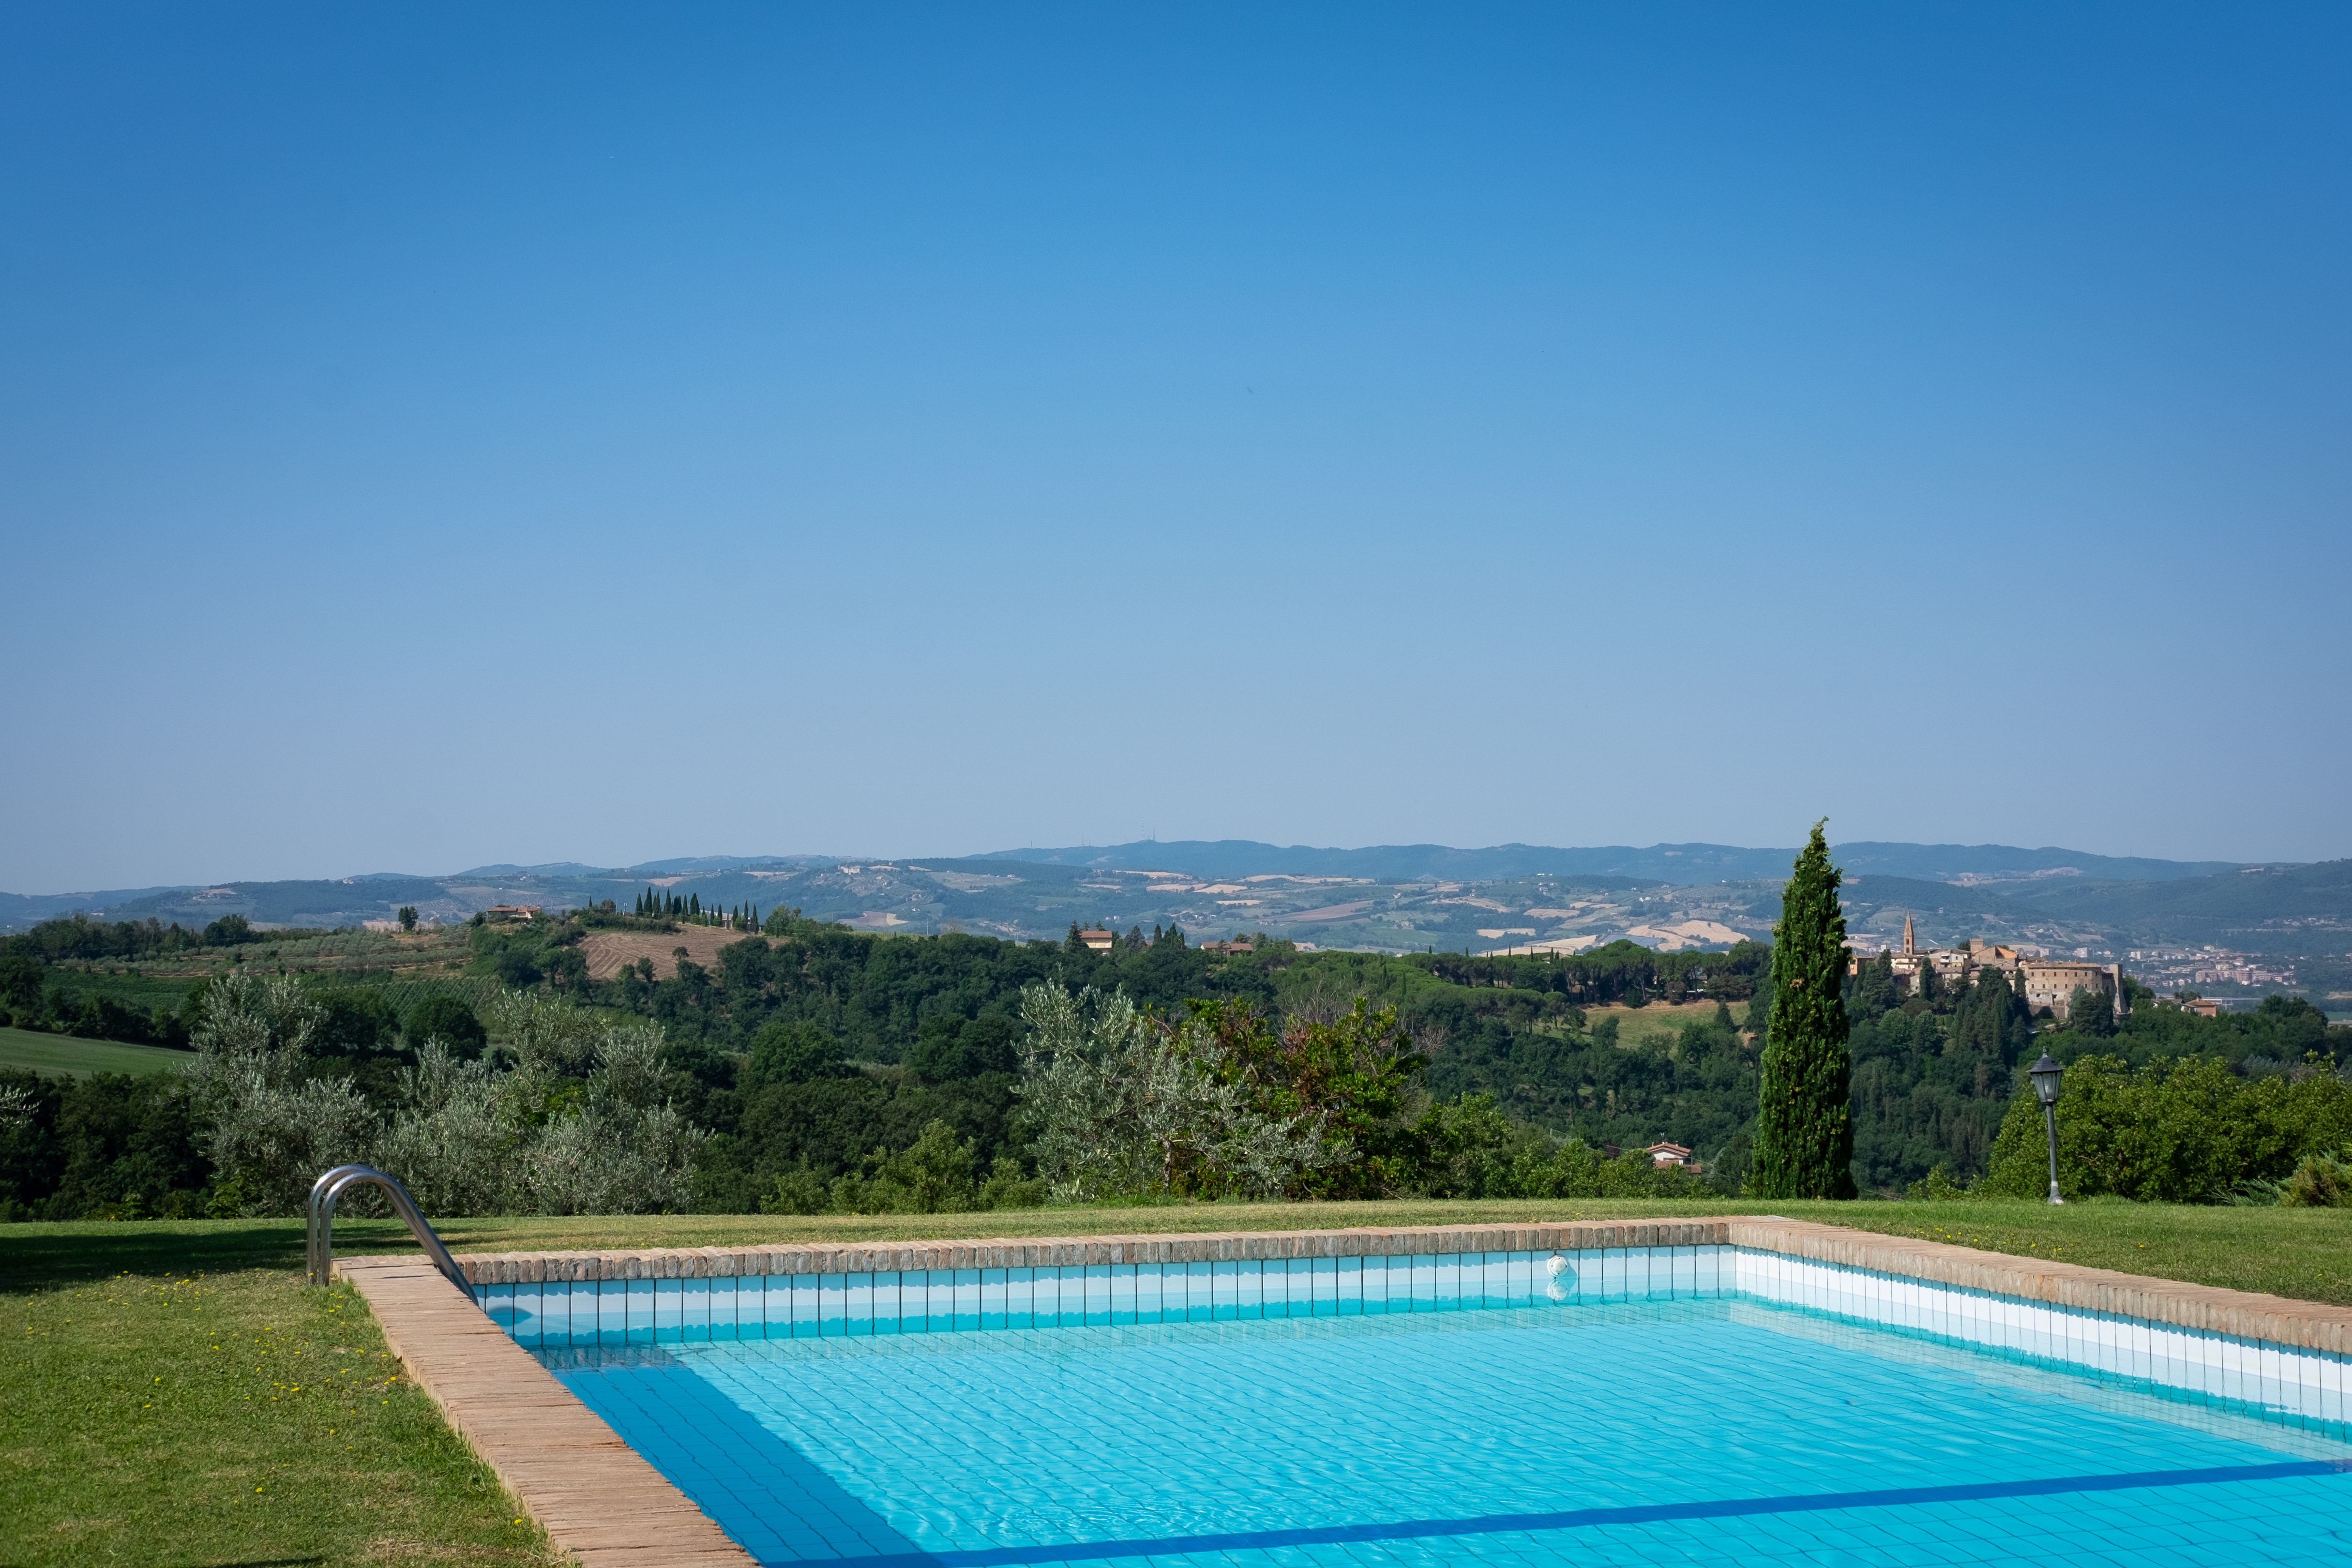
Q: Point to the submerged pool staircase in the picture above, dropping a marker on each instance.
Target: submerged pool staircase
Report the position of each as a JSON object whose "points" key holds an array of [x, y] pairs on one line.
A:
{"points": [[320, 1232]]}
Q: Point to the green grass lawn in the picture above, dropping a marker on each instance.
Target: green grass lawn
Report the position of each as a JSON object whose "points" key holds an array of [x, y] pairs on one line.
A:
{"points": [[2301, 1253], [66, 1054], [175, 1395], [178, 1418]]}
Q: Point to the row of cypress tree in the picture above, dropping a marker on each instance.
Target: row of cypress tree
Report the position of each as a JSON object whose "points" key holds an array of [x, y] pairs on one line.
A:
{"points": [[656, 904]]}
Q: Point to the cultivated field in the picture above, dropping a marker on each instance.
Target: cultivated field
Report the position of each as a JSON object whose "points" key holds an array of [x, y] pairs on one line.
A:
{"points": [[343, 951], [610, 952], [1637, 1024]]}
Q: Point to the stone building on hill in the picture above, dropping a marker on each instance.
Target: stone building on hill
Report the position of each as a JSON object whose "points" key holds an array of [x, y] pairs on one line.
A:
{"points": [[2044, 981], [2051, 982]]}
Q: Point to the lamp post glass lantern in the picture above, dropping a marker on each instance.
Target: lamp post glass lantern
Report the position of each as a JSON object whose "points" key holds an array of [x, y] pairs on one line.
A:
{"points": [[2047, 1075]]}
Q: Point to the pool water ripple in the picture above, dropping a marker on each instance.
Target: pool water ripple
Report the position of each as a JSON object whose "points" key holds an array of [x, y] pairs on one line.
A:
{"points": [[1718, 1429]]}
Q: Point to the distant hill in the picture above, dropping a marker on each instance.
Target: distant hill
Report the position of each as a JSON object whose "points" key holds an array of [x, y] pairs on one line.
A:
{"points": [[2000, 863], [1392, 897], [1685, 864], [682, 866], [690, 863], [555, 869], [1404, 862], [338, 901], [19, 911], [2264, 909]]}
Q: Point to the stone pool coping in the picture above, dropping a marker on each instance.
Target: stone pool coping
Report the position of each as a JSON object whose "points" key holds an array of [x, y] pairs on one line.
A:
{"points": [[602, 1502], [596, 1496]]}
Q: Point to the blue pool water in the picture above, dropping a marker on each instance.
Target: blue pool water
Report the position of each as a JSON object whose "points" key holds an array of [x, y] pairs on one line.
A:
{"points": [[1712, 1429]]}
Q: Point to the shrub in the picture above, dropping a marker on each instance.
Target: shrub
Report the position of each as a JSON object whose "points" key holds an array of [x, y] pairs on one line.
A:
{"points": [[446, 1018], [269, 1124], [2321, 1182], [2181, 1130], [798, 1190]]}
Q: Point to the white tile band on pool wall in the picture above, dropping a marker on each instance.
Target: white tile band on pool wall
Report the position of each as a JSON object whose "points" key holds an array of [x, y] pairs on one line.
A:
{"points": [[2285, 1381]]}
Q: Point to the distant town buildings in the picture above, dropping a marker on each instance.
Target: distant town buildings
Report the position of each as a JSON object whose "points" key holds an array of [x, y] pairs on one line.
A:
{"points": [[1098, 941], [2175, 969], [2043, 981], [2224, 971], [512, 912]]}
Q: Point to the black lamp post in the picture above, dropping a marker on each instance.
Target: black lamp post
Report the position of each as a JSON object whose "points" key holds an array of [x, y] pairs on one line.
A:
{"points": [[2047, 1075]]}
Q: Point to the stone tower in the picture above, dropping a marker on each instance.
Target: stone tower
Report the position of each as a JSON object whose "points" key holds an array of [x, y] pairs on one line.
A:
{"points": [[1907, 935]]}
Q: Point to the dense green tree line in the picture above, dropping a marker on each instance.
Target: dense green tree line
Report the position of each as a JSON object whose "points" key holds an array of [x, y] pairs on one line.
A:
{"points": [[1933, 1075], [2280, 1032], [815, 1056], [78, 937], [108, 1144], [35, 995], [111, 1142], [811, 1046], [1623, 972], [1696, 1088]]}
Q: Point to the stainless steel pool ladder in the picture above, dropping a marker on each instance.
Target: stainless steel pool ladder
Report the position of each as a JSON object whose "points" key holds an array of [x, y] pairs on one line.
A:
{"points": [[320, 1237]]}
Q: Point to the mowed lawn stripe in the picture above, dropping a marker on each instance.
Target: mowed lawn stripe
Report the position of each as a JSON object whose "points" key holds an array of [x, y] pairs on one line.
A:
{"points": [[41, 1052]]}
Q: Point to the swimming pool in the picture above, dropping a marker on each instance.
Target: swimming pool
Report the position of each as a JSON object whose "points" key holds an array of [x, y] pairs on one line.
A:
{"points": [[1626, 1405]]}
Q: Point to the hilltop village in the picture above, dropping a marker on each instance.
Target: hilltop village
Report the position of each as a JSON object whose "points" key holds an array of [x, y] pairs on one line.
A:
{"points": [[2043, 981]]}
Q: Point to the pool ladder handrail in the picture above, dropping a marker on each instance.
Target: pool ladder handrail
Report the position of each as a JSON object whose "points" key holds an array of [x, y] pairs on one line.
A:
{"points": [[320, 1233]]}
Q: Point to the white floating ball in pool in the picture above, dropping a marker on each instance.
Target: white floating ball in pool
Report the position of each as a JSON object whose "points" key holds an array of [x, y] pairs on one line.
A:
{"points": [[1557, 1266]]}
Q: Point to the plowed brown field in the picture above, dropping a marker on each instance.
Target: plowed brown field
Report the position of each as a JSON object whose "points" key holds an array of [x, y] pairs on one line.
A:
{"points": [[610, 952]]}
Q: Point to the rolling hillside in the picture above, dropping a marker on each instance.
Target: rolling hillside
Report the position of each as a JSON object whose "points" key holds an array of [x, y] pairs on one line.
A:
{"points": [[1393, 898], [1687, 864]]}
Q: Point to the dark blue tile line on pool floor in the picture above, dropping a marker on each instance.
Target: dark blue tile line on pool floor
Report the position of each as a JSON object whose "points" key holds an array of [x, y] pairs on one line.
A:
{"points": [[1494, 1524], [734, 1454]]}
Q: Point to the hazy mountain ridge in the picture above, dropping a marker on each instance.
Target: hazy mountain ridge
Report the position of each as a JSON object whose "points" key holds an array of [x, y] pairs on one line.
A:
{"points": [[1687, 864], [1322, 896], [19, 911]]}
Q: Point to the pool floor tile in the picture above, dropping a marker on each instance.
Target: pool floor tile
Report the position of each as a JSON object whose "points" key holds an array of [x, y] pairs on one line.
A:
{"points": [[1023, 1442]]}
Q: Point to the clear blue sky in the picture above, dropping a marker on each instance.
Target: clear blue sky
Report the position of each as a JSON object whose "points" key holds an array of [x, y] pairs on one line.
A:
{"points": [[431, 435]]}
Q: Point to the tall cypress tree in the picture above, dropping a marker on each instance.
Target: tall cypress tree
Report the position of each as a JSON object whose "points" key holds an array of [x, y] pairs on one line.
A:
{"points": [[1805, 1121]]}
